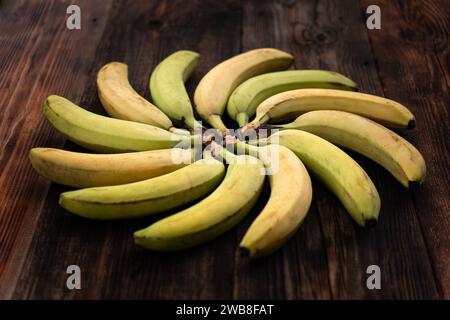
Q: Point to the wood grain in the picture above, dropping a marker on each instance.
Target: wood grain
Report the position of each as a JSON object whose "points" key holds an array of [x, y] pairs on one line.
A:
{"points": [[413, 74], [332, 36], [151, 31], [407, 60], [299, 270], [42, 57]]}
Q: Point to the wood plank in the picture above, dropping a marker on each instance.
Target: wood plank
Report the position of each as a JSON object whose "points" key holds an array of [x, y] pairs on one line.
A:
{"points": [[412, 50], [299, 270], [331, 35], [112, 266], [41, 57]]}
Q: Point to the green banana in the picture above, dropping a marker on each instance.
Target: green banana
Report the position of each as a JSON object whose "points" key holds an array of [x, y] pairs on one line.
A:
{"points": [[212, 216], [215, 87], [93, 170], [107, 135], [146, 197], [167, 86], [340, 173], [245, 98], [290, 104], [369, 138]]}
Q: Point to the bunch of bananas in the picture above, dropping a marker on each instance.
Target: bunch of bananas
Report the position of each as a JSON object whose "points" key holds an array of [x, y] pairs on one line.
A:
{"points": [[145, 163]]}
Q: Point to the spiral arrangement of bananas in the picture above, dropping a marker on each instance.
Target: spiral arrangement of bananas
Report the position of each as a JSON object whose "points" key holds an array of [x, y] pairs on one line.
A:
{"points": [[146, 163]]}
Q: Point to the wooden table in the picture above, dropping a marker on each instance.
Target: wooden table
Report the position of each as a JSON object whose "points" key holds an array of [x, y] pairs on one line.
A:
{"points": [[407, 60]]}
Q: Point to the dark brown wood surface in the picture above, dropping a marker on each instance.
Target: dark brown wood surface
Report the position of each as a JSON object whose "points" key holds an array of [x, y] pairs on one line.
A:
{"points": [[407, 60]]}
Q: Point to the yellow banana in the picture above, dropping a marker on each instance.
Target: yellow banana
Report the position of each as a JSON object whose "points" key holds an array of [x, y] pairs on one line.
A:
{"points": [[146, 197], [245, 98], [215, 87], [93, 170], [288, 204], [290, 104], [121, 101], [340, 173], [107, 135], [369, 138], [167, 86], [212, 216]]}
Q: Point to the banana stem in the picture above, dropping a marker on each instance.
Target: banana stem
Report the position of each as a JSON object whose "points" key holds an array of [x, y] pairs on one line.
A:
{"points": [[192, 123], [181, 132], [217, 122], [242, 119], [259, 121], [218, 150], [243, 147]]}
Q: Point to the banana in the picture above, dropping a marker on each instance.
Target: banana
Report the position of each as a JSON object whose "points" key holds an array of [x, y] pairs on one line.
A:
{"points": [[167, 86], [290, 104], [369, 138], [146, 197], [94, 170], [121, 101], [107, 135], [245, 98], [212, 216], [288, 204], [215, 87], [340, 173]]}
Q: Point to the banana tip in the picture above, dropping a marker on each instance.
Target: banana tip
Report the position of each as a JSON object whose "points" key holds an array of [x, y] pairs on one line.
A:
{"points": [[370, 223], [413, 185], [244, 253], [60, 201], [411, 124]]}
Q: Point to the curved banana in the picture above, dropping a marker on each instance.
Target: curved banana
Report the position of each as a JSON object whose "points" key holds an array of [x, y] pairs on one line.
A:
{"points": [[340, 173], [369, 138], [121, 101], [212, 216], [288, 204], [245, 98], [145, 197], [290, 104], [167, 86], [215, 87], [107, 135], [93, 170]]}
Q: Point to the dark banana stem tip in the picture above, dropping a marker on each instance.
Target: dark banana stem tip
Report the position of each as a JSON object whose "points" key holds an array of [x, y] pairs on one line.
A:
{"points": [[370, 223], [244, 253]]}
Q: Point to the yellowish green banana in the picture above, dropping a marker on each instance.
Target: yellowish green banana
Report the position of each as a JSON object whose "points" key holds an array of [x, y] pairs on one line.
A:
{"points": [[367, 137], [216, 86], [146, 197], [247, 96], [93, 170], [212, 216], [288, 204], [107, 135], [340, 173], [290, 104], [167, 86]]}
